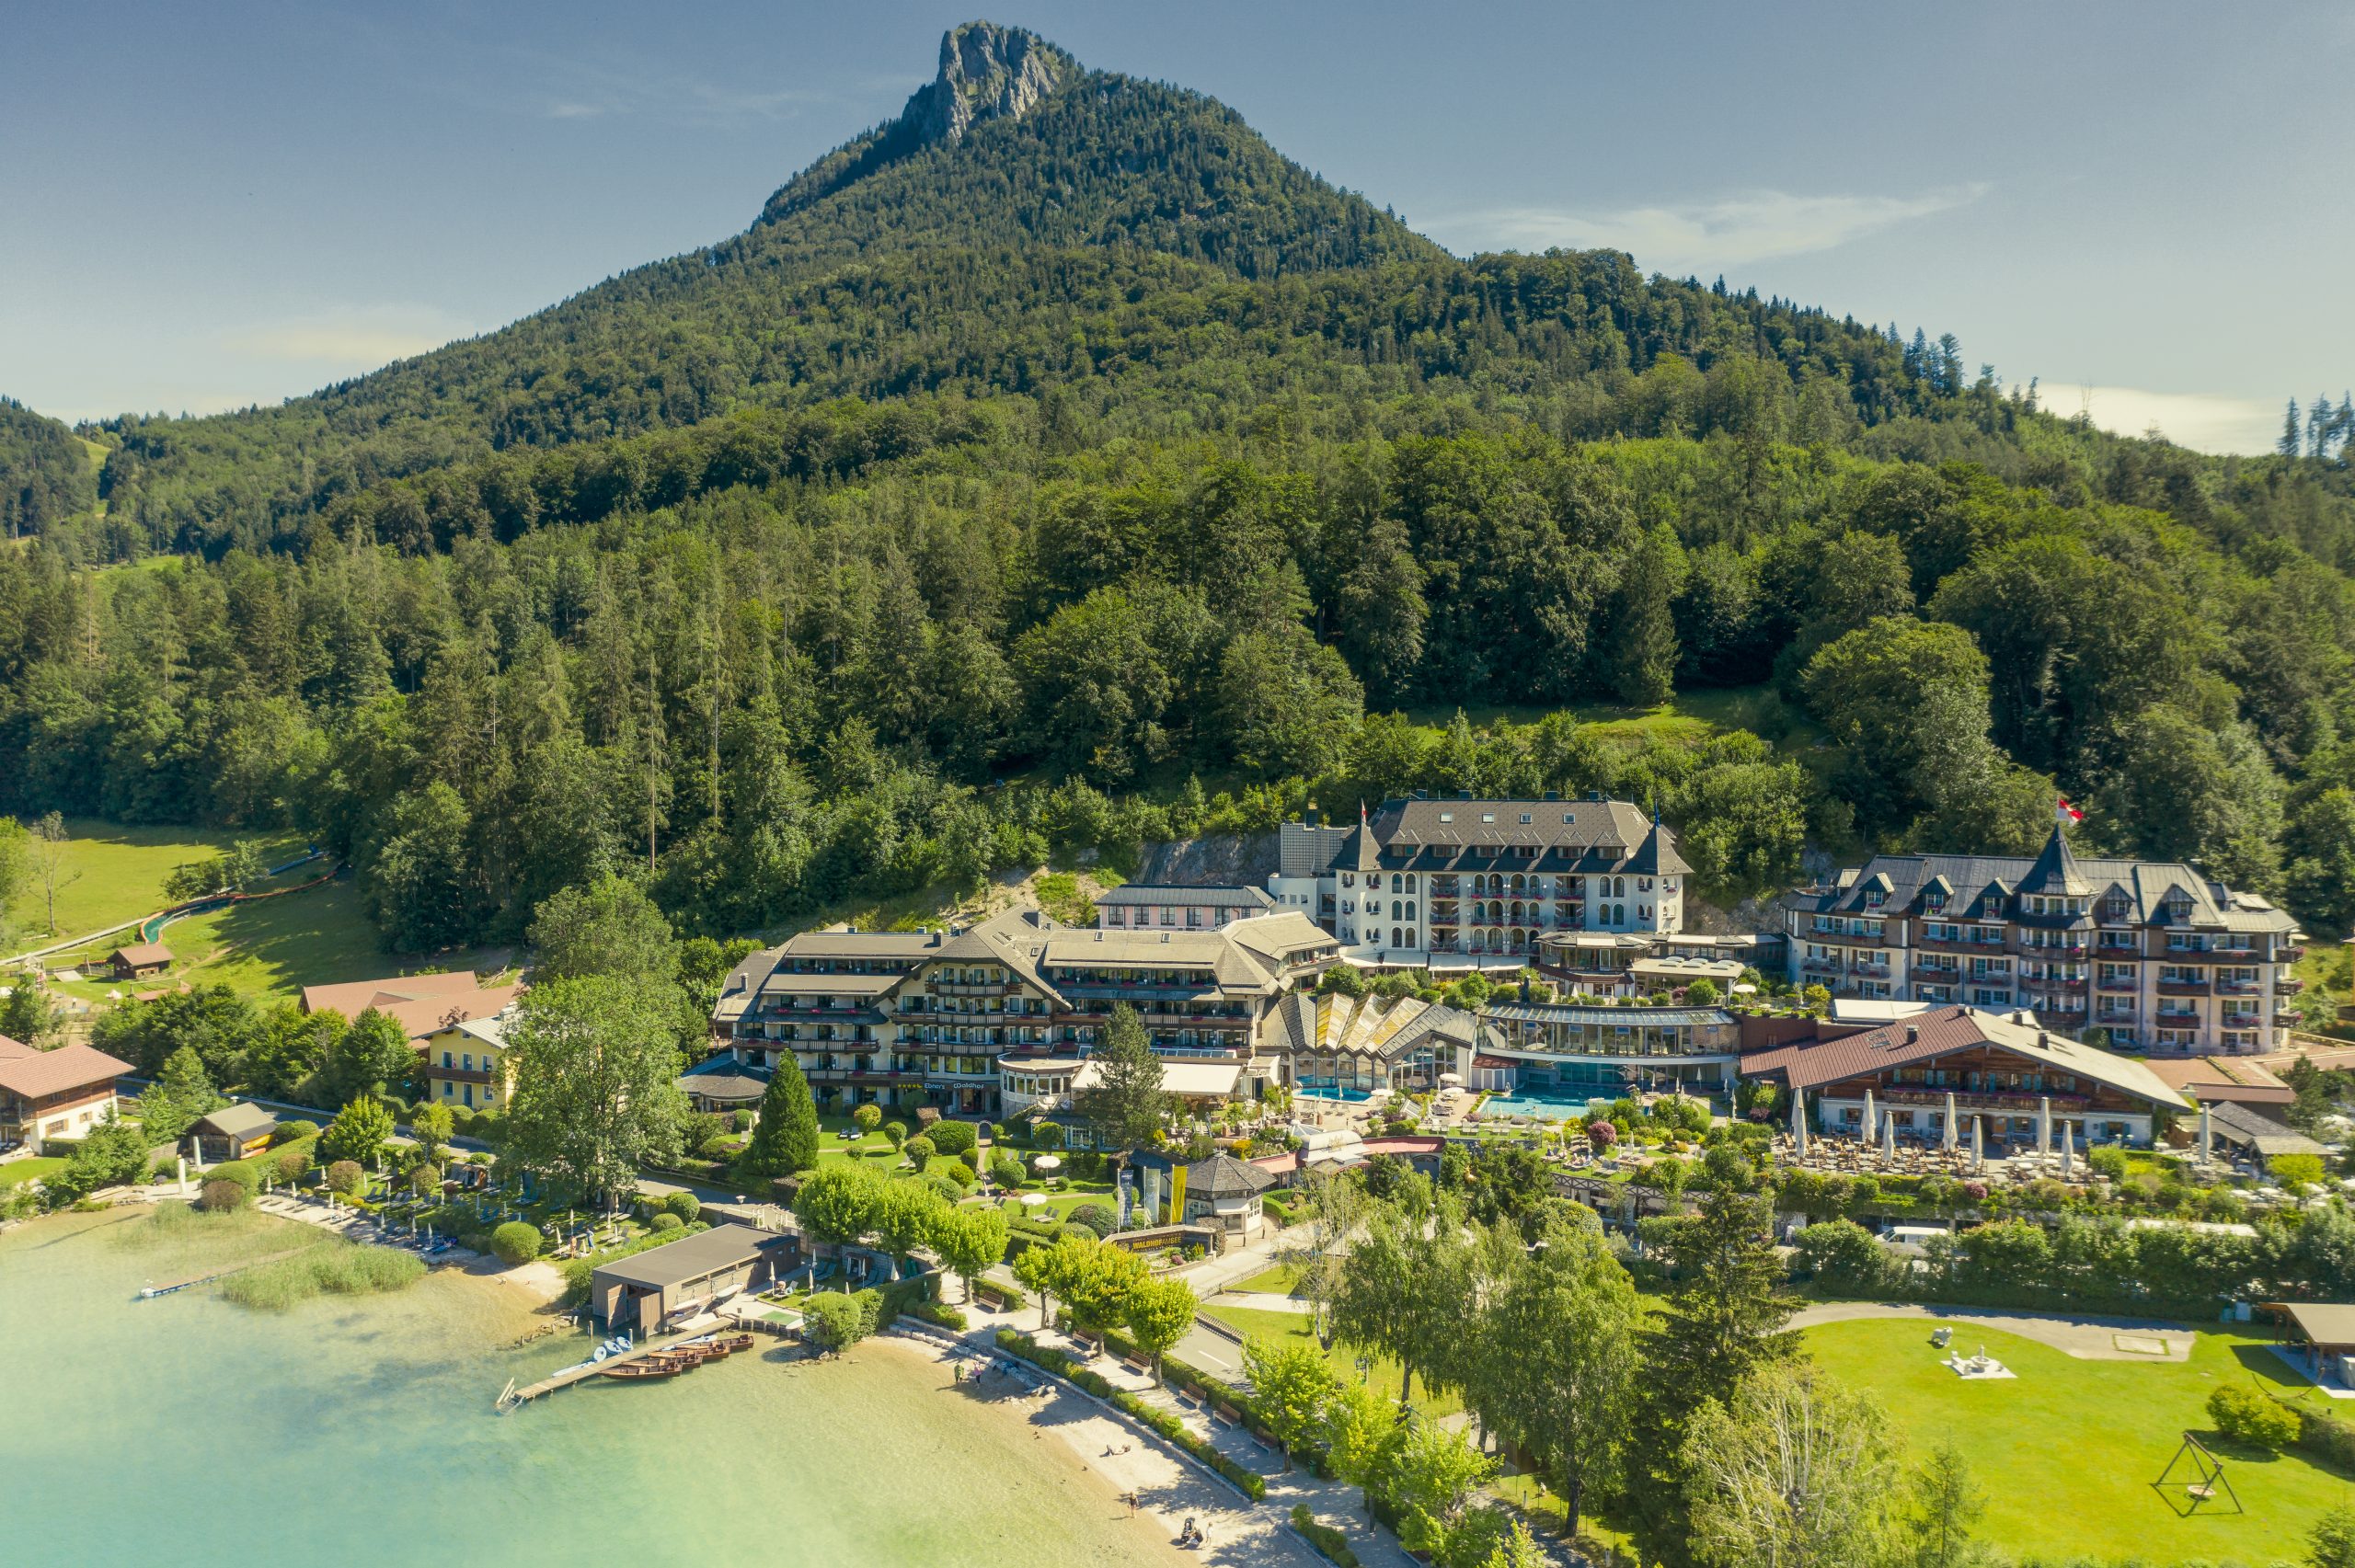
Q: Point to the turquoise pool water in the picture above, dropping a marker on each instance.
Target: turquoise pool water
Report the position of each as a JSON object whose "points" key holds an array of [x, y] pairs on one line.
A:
{"points": [[1531, 1102], [1347, 1096]]}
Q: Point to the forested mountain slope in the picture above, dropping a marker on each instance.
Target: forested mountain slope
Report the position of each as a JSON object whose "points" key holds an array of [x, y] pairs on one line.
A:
{"points": [[46, 476], [1057, 455]]}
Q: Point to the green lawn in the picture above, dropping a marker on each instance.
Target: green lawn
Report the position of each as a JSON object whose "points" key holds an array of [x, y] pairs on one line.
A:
{"points": [[1689, 718], [2068, 1451], [1280, 1280], [319, 936], [15, 1173], [113, 874], [1253, 1323]]}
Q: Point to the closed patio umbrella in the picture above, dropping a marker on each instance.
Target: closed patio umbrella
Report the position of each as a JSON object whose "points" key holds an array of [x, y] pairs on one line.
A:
{"points": [[1950, 1133], [2206, 1135], [2044, 1123], [1978, 1147], [1871, 1125], [1888, 1134], [1798, 1121]]}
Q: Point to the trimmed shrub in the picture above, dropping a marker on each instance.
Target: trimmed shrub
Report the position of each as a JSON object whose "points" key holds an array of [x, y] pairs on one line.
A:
{"points": [[290, 1165], [867, 1117], [1096, 1217], [934, 1312], [294, 1131], [1007, 1170], [668, 1221], [2246, 1417], [939, 1181], [741, 1121], [895, 1133], [345, 1176], [221, 1197], [1331, 1544], [918, 1149], [517, 1242], [425, 1180], [954, 1138], [687, 1206], [245, 1175], [958, 1171]]}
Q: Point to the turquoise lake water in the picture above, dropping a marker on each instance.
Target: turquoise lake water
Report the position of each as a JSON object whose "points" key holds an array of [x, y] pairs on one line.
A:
{"points": [[189, 1432]]}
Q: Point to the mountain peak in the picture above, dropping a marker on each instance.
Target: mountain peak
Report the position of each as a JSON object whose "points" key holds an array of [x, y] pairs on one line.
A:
{"points": [[987, 72]]}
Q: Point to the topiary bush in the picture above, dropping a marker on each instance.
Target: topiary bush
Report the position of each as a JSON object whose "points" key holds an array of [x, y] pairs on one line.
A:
{"points": [[1096, 1217], [687, 1206], [517, 1242], [221, 1197], [668, 1221], [919, 1152], [294, 1131], [345, 1176], [958, 1171], [954, 1138], [1007, 1170], [289, 1165], [867, 1117]]}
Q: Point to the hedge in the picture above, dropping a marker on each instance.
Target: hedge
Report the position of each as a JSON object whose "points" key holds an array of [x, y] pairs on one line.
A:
{"points": [[935, 1313], [1330, 1543], [1164, 1424], [1011, 1296], [2323, 1433]]}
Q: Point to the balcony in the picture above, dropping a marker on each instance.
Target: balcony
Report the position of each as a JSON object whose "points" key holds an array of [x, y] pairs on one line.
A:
{"points": [[2288, 985], [2127, 983], [1967, 1100], [1867, 971], [986, 988], [2180, 987], [460, 1074], [1940, 974], [2116, 1020]]}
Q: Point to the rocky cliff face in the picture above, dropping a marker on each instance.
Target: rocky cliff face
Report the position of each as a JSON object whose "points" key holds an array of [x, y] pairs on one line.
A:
{"points": [[987, 72]]}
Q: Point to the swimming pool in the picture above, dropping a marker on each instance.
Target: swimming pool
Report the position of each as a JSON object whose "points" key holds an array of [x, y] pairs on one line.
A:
{"points": [[1547, 1107], [1347, 1096]]}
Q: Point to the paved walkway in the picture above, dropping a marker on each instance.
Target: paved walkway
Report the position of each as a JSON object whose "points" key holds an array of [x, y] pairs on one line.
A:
{"points": [[2088, 1338], [1332, 1502]]}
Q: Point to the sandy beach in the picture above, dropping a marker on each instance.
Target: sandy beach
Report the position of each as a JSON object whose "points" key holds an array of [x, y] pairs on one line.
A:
{"points": [[1119, 1461]]}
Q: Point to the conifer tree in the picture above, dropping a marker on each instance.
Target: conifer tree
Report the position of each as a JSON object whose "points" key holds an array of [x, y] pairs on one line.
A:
{"points": [[785, 1140], [1126, 1102]]}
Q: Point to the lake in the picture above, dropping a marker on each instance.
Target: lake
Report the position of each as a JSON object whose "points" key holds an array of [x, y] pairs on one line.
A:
{"points": [[189, 1432]]}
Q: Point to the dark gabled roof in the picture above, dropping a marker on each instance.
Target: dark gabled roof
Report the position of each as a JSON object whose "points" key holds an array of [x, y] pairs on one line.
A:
{"points": [[1181, 893], [1985, 887], [2239, 1124], [241, 1121], [1557, 1012], [707, 1251], [2054, 874], [38, 1074], [1657, 856], [1222, 1175]]}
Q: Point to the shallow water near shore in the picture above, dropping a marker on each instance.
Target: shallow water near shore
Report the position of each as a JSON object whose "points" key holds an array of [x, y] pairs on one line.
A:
{"points": [[188, 1431]]}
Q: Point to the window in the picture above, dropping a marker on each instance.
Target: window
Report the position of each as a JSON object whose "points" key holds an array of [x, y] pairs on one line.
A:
{"points": [[1447, 815], [1524, 819], [1488, 816]]}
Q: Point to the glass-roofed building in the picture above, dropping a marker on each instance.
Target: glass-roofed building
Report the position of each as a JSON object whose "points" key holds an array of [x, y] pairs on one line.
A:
{"points": [[1541, 1047]]}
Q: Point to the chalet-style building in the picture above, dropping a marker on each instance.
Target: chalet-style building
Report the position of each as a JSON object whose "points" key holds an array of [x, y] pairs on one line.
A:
{"points": [[2007, 1072], [236, 1131], [1158, 905], [1467, 883], [2154, 955], [918, 1018], [139, 960], [467, 1061], [58, 1093]]}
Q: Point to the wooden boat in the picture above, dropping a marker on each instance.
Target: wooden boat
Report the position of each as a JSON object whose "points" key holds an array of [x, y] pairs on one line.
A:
{"points": [[648, 1366], [723, 1345]]}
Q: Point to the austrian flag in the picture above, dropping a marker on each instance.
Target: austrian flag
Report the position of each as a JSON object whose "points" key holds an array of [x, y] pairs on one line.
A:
{"points": [[2064, 812]]}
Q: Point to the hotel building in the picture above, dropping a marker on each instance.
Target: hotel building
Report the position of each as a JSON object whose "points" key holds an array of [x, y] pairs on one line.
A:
{"points": [[2156, 954]]}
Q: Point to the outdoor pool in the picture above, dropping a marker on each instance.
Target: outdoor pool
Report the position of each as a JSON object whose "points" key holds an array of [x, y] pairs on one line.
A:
{"points": [[1346, 1096], [1530, 1103]]}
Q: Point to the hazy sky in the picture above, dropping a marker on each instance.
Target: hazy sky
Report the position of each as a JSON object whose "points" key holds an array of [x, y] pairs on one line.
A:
{"points": [[203, 206]]}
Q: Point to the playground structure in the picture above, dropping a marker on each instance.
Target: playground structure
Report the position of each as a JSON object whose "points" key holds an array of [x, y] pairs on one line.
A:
{"points": [[2201, 1483]]}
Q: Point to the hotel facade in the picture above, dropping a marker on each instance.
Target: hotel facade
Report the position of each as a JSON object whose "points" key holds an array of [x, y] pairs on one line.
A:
{"points": [[953, 1019], [2156, 956], [1467, 883]]}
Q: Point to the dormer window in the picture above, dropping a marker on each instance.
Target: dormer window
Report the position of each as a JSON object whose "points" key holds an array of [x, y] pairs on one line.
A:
{"points": [[1875, 898], [1524, 819], [1934, 899], [1488, 816], [1447, 815]]}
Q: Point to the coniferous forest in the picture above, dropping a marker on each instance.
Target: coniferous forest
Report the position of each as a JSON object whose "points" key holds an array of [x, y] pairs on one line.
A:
{"points": [[1098, 477]]}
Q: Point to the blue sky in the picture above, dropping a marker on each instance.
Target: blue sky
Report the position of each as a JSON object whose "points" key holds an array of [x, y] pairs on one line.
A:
{"points": [[206, 206]]}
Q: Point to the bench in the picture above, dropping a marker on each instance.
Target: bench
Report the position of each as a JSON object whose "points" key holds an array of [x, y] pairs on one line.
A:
{"points": [[1088, 1343], [1227, 1415], [1136, 1363]]}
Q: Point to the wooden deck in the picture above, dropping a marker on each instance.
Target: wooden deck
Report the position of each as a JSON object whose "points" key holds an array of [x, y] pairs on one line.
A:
{"points": [[512, 1396]]}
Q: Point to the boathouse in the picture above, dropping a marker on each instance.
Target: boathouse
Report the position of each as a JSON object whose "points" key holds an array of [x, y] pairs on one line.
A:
{"points": [[645, 1289], [233, 1132]]}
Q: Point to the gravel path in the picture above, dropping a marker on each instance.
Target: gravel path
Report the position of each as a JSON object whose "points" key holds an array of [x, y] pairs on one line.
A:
{"points": [[2088, 1338]]}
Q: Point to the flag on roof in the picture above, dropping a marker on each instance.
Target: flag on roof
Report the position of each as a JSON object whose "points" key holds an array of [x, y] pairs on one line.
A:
{"points": [[2064, 812]]}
